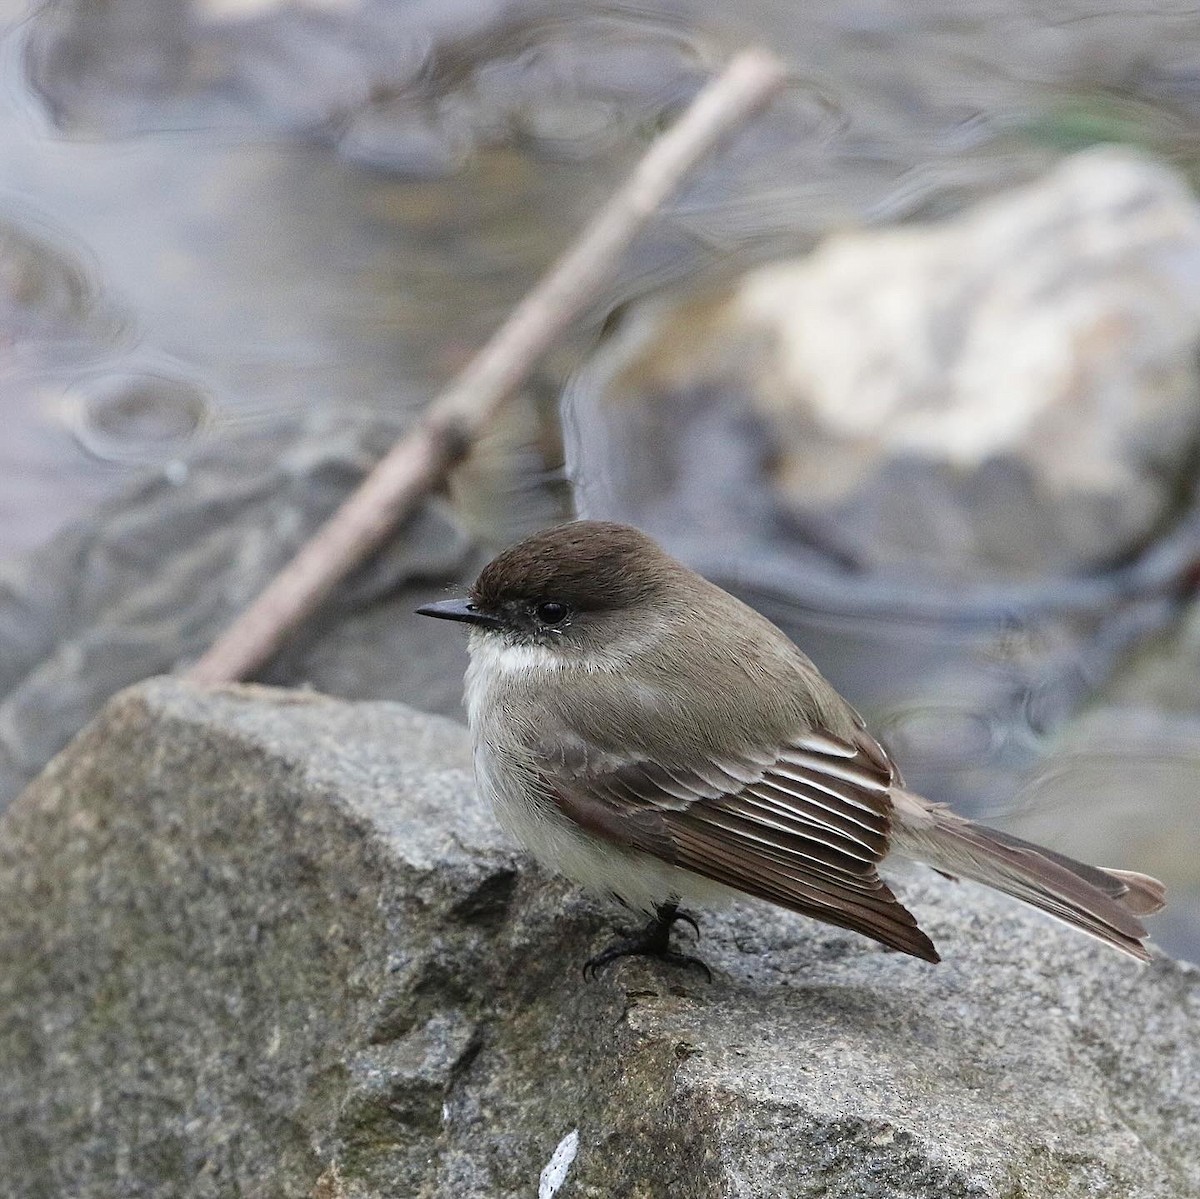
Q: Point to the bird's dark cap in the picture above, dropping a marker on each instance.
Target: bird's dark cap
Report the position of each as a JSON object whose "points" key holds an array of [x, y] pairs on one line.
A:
{"points": [[590, 565]]}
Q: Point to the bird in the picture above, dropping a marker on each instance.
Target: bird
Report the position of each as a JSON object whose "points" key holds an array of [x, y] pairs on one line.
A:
{"points": [[650, 736]]}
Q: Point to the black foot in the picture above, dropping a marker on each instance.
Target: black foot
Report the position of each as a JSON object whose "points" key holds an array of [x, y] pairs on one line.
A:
{"points": [[654, 941]]}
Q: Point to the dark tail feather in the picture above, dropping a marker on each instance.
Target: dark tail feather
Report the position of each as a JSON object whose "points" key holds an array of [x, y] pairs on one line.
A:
{"points": [[1144, 895], [1105, 903]]}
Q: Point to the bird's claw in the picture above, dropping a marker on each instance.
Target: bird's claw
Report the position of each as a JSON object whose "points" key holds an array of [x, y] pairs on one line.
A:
{"points": [[653, 941]]}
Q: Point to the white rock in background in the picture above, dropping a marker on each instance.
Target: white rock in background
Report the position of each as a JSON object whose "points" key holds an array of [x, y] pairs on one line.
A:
{"points": [[1053, 323], [1010, 393]]}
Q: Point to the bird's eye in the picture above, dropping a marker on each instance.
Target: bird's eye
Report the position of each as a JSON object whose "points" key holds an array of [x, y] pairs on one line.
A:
{"points": [[551, 613]]}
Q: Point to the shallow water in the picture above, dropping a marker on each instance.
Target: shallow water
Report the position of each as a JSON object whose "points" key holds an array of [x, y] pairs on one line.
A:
{"points": [[249, 208]]}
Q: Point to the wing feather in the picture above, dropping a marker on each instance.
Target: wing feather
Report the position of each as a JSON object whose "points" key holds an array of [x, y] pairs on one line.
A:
{"points": [[803, 826], [879, 915], [794, 801]]}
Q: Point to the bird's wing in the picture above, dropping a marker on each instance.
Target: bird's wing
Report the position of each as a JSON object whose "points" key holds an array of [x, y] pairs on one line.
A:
{"points": [[803, 826]]}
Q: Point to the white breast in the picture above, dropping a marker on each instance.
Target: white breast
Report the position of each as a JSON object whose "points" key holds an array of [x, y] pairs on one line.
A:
{"points": [[640, 880]]}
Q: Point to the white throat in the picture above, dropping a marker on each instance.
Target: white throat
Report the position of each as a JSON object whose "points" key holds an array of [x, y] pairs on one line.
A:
{"points": [[490, 653], [494, 662]]}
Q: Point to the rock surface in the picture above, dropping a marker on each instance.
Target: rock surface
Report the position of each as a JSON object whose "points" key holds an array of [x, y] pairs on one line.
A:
{"points": [[255, 942]]}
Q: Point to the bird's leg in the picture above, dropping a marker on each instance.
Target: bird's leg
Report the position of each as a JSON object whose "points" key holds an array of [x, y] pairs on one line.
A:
{"points": [[654, 941]]}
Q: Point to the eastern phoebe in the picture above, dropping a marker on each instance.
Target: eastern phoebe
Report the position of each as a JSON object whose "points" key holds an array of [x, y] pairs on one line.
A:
{"points": [[648, 735]]}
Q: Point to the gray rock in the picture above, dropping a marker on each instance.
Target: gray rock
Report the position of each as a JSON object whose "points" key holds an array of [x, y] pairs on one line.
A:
{"points": [[264, 943]]}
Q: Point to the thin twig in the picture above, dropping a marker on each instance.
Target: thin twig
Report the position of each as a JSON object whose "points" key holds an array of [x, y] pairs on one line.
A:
{"points": [[421, 459]]}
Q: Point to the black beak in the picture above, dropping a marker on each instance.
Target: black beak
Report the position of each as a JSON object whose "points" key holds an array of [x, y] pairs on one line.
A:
{"points": [[459, 609]]}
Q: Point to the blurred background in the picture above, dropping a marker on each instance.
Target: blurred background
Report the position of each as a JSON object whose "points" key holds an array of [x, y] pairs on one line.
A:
{"points": [[911, 364]]}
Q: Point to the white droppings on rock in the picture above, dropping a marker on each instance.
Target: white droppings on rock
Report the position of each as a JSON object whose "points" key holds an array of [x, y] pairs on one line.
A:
{"points": [[555, 1172]]}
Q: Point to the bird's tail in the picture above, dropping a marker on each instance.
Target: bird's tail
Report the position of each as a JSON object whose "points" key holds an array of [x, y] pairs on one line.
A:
{"points": [[1104, 903]]}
